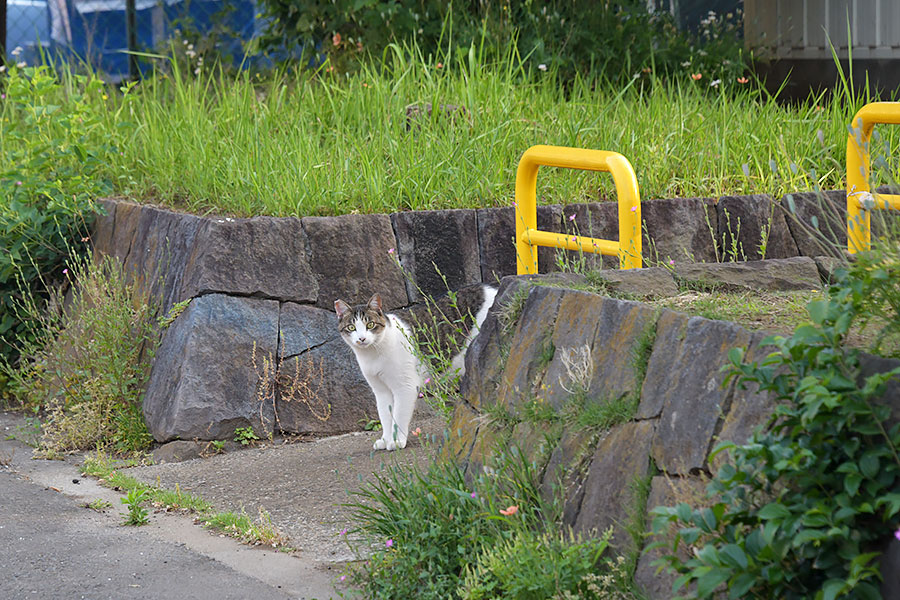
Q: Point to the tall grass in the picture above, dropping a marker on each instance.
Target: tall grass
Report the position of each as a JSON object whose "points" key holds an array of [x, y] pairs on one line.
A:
{"points": [[306, 143]]}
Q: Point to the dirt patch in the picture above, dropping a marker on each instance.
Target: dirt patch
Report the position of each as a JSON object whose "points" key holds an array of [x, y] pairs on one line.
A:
{"points": [[301, 485]]}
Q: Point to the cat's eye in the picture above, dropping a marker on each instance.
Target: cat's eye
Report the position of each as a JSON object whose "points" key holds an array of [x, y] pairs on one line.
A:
{"points": [[350, 328], [370, 325]]}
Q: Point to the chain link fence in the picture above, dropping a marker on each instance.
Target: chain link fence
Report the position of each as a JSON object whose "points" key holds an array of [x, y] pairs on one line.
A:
{"points": [[97, 31]]}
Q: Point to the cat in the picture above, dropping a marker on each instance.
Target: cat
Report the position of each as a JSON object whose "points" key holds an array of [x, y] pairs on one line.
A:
{"points": [[383, 344]]}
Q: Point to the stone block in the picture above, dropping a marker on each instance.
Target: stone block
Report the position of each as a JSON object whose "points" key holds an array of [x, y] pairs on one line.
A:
{"points": [[497, 240], [350, 259], [609, 329], [438, 250], [303, 327], [203, 383], [797, 273], [670, 331], [262, 256], [567, 469], [464, 425], [686, 375], [741, 222], [103, 226], [621, 457], [665, 491], [322, 390], [817, 221], [647, 282], [524, 370], [679, 229]]}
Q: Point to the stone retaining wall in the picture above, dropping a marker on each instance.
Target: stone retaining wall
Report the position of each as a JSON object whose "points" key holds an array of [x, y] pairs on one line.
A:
{"points": [[665, 364], [257, 343]]}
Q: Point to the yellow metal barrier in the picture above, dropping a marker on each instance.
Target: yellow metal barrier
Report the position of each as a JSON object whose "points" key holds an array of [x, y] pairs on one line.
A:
{"points": [[860, 199], [628, 248]]}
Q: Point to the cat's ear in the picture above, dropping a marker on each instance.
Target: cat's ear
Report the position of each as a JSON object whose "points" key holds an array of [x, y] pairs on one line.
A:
{"points": [[341, 308], [374, 303]]}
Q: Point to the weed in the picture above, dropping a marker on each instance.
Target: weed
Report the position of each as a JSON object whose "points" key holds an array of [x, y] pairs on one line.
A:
{"points": [[137, 514], [246, 436], [276, 384], [88, 366], [218, 446], [100, 505], [262, 532]]}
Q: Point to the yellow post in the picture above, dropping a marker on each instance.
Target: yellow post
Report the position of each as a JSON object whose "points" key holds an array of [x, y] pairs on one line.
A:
{"points": [[860, 199], [528, 237]]}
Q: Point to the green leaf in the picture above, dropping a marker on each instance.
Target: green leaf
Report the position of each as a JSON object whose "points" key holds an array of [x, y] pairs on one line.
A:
{"points": [[869, 464], [775, 510], [818, 310], [710, 581], [742, 584], [832, 588], [732, 555], [851, 483]]}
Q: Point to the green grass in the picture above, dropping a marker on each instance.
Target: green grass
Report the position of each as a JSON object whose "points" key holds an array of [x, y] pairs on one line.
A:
{"points": [[240, 526], [302, 143]]}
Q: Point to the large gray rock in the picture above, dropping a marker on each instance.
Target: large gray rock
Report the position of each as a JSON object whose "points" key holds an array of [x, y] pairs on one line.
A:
{"points": [[438, 250], [567, 469], [323, 391], [817, 221], [497, 240], [684, 373], [319, 387], [262, 256], [620, 458], [609, 330], [524, 370], [741, 223], [797, 273], [350, 257], [679, 229], [303, 327], [203, 383], [665, 491]]}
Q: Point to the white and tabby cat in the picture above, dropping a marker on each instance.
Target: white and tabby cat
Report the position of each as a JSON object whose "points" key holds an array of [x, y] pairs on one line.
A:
{"points": [[383, 345]]}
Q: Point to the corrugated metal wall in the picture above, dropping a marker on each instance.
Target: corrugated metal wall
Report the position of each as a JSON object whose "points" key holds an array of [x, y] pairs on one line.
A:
{"points": [[808, 28]]}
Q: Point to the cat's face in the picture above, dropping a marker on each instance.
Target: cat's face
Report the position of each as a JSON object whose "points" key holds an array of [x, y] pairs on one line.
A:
{"points": [[361, 326]]}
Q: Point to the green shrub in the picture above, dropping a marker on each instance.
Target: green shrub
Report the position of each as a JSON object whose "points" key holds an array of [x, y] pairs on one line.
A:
{"points": [[805, 507], [51, 153], [562, 36], [89, 363], [533, 566]]}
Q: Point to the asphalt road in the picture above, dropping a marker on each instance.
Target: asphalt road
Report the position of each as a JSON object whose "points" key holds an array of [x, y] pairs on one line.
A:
{"points": [[53, 547]]}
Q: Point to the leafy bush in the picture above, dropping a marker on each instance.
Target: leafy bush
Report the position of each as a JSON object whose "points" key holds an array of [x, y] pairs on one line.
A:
{"points": [[533, 566], [51, 154], [562, 36], [438, 534], [89, 363], [805, 507]]}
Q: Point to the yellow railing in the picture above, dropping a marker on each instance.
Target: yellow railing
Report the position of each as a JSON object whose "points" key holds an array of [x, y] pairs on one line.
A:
{"points": [[860, 199], [528, 237]]}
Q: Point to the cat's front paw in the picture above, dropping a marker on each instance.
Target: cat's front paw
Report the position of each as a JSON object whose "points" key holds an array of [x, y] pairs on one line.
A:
{"points": [[380, 444], [396, 445]]}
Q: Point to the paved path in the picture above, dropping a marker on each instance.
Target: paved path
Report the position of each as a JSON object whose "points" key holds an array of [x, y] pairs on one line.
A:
{"points": [[52, 546]]}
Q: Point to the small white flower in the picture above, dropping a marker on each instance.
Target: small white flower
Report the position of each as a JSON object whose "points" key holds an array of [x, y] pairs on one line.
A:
{"points": [[715, 83], [542, 67], [197, 71], [191, 54], [16, 51], [22, 64], [190, 46], [686, 64], [2, 68]]}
